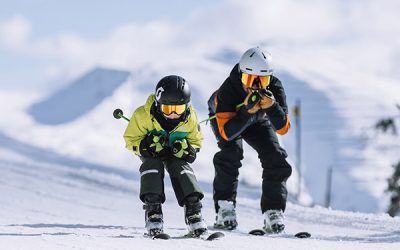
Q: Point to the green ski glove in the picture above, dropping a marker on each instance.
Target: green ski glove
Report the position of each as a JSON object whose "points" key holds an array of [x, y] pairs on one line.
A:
{"points": [[179, 148], [152, 145], [182, 149], [157, 144]]}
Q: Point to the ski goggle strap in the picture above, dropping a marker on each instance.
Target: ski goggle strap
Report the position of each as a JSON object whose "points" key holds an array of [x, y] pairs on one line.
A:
{"points": [[248, 80], [170, 108]]}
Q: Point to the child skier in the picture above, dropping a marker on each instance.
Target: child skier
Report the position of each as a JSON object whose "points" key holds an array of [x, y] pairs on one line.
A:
{"points": [[165, 133]]}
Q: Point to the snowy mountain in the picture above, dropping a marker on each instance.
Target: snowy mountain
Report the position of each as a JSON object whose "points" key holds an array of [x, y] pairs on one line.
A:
{"points": [[87, 92]]}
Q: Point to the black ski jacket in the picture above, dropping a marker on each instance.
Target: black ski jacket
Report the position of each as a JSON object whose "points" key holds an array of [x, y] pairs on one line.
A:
{"points": [[232, 121]]}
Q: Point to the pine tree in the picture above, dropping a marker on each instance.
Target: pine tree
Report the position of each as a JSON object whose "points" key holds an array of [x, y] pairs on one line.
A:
{"points": [[394, 181], [394, 189]]}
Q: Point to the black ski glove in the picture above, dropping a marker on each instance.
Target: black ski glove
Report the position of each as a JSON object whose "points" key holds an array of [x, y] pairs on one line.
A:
{"points": [[252, 101], [152, 146], [182, 149], [267, 99]]}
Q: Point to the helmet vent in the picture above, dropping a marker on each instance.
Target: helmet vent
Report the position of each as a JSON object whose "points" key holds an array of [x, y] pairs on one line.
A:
{"points": [[249, 69], [263, 55], [252, 54]]}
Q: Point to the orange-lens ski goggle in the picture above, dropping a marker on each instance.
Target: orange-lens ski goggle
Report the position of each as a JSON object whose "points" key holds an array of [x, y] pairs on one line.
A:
{"points": [[170, 108], [248, 80]]}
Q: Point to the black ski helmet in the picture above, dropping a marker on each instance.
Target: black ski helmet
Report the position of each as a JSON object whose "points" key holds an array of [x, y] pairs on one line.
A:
{"points": [[172, 89]]}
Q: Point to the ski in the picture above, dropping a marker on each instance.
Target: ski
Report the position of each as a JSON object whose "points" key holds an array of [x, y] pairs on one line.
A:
{"points": [[261, 232], [205, 236], [257, 232], [215, 236], [161, 236]]}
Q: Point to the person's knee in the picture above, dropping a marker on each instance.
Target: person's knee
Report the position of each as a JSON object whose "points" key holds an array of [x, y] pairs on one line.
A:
{"points": [[273, 156], [275, 165], [278, 174], [178, 167], [153, 164], [232, 154]]}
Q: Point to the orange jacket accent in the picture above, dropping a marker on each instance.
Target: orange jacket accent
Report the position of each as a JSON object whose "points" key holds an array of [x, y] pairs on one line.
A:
{"points": [[222, 118], [285, 128]]}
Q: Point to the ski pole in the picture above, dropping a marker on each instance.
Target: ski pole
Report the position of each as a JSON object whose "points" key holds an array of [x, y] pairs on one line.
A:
{"points": [[208, 119], [214, 116], [118, 114]]}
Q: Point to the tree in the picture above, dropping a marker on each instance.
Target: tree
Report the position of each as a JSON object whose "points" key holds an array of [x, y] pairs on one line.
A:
{"points": [[394, 189], [394, 181], [386, 124]]}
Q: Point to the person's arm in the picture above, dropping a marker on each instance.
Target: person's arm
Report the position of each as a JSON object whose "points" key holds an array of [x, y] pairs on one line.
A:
{"points": [[278, 112], [233, 120], [195, 137], [135, 131]]}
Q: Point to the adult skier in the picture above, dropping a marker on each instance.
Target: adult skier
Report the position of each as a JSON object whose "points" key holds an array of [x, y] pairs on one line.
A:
{"points": [[250, 105], [164, 133]]}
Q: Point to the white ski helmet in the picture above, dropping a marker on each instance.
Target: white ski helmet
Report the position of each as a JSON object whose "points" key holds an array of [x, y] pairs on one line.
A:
{"points": [[256, 62]]}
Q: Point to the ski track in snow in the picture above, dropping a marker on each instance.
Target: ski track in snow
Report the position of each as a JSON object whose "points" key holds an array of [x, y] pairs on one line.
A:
{"points": [[52, 201]]}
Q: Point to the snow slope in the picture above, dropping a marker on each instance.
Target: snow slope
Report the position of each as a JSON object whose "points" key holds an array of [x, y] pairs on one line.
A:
{"points": [[51, 201]]}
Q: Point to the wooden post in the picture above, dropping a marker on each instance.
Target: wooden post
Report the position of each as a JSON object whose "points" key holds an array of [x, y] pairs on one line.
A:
{"points": [[328, 187], [297, 116]]}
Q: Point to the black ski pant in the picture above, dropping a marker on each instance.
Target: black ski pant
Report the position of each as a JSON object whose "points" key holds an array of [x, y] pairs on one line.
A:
{"points": [[276, 170], [182, 177]]}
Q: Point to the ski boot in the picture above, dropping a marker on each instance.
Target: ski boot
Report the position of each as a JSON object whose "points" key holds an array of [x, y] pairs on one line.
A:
{"points": [[193, 217], [274, 221], [226, 215], [153, 215]]}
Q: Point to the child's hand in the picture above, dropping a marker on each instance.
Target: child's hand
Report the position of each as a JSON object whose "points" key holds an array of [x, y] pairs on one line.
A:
{"points": [[152, 145], [156, 143], [182, 149], [179, 148]]}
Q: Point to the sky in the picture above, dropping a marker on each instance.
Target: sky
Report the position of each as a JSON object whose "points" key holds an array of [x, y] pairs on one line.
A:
{"points": [[44, 43], [94, 18], [26, 65]]}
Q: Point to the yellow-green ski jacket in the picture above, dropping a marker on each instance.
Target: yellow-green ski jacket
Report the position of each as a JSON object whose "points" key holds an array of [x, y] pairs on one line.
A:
{"points": [[143, 122]]}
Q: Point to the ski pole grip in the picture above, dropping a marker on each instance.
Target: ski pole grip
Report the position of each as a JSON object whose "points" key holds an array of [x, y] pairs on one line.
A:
{"points": [[118, 114]]}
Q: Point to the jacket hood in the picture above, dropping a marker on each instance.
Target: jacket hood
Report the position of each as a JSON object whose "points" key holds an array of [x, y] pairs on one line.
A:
{"points": [[149, 103], [236, 82]]}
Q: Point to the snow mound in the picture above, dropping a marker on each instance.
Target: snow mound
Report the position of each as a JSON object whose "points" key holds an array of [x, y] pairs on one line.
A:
{"points": [[79, 97]]}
